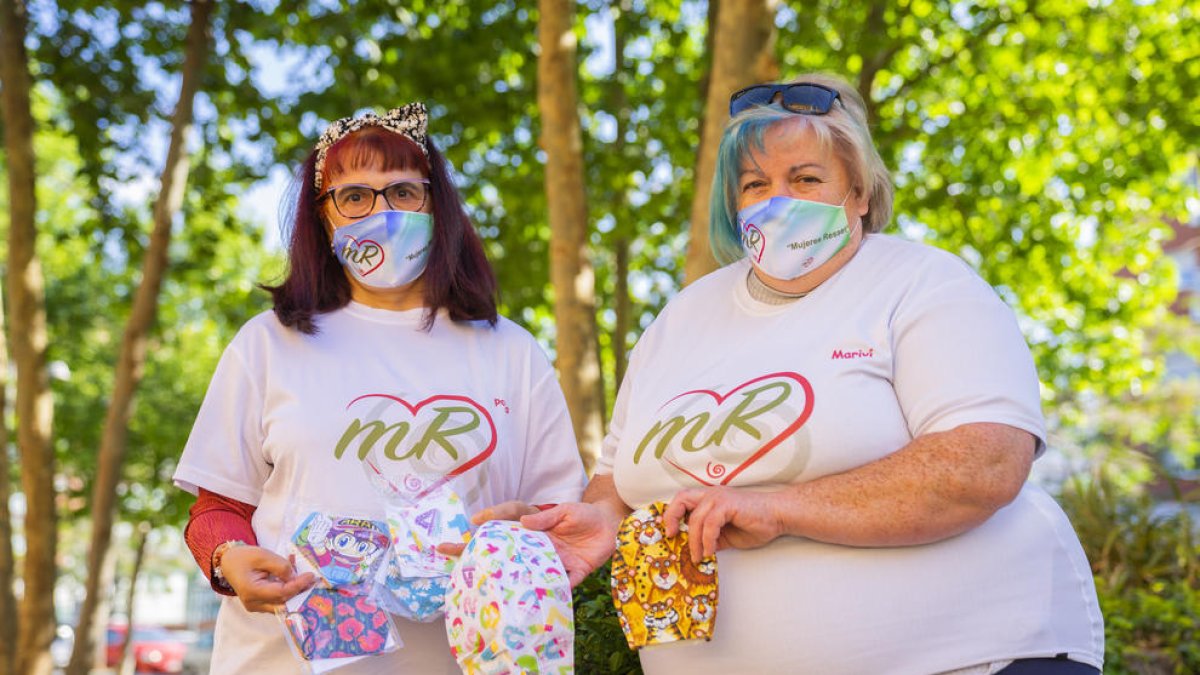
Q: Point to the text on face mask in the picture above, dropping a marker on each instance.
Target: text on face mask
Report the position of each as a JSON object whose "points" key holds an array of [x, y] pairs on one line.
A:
{"points": [[796, 245]]}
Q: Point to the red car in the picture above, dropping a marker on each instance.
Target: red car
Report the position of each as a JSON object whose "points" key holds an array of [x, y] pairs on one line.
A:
{"points": [[155, 649]]}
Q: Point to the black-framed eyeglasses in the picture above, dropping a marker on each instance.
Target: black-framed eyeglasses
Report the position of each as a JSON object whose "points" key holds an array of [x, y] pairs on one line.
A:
{"points": [[354, 200], [801, 98]]}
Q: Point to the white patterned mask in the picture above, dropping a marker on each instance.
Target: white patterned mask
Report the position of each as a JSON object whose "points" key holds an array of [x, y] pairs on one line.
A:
{"points": [[386, 250], [787, 238]]}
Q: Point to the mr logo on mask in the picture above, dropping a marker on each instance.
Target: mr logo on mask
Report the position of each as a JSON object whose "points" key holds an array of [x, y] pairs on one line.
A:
{"points": [[788, 238], [386, 250]]}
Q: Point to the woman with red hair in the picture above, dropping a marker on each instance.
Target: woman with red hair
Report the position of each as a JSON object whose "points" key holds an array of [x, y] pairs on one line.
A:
{"points": [[383, 364]]}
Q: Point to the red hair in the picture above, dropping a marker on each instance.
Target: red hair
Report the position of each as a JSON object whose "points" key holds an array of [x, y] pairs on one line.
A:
{"points": [[457, 274], [372, 148]]}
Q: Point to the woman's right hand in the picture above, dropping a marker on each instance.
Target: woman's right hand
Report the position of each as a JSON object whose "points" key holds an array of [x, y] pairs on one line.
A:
{"points": [[262, 579], [583, 534]]}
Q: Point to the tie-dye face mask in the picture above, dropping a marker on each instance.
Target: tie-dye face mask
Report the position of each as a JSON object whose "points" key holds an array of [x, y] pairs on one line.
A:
{"points": [[788, 238], [660, 594], [386, 250]]}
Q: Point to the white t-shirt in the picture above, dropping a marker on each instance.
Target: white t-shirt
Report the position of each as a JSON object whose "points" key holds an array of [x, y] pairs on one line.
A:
{"points": [[294, 423], [902, 341]]}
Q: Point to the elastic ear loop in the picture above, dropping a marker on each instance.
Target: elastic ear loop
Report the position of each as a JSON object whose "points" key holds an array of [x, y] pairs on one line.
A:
{"points": [[306, 643], [843, 205]]}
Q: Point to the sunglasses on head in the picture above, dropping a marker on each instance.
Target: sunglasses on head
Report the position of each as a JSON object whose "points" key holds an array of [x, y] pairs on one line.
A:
{"points": [[800, 98]]}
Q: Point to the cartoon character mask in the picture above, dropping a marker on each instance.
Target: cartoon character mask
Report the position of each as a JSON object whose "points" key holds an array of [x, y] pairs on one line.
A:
{"points": [[661, 595], [343, 551]]}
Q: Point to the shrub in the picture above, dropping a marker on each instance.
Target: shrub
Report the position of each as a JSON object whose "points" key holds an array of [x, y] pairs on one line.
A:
{"points": [[1146, 566], [600, 645]]}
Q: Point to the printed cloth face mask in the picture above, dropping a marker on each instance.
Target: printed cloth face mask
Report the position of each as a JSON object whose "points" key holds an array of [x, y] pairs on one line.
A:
{"points": [[508, 609], [788, 238], [386, 250], [660, 594]]}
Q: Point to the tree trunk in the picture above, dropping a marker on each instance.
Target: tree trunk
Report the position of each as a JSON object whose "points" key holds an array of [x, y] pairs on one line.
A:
{"points": [[743, 54], [132, 356], [27, 312], [102, 615], [624, 229], [623, 308], [570, 268], [126, 661], [710, 29], [8, 601]]}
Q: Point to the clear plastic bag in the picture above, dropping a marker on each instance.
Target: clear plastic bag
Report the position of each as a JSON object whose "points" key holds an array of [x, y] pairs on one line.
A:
{"points": [[413, 583], [337, 621]]}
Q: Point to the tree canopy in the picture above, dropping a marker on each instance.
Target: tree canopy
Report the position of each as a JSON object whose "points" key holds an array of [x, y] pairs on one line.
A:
{"points": [[1051, 145]]}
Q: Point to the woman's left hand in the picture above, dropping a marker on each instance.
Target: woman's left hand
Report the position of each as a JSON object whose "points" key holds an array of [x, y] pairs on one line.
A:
{"points": [[511, 510], [724, 517]]}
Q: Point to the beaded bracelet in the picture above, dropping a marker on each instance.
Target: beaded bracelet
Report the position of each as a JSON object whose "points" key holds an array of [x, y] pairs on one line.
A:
{"points": [[218, 577]]}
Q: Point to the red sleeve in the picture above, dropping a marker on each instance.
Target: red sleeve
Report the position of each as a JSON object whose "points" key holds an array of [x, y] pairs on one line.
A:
{"points": [[213, 520]]}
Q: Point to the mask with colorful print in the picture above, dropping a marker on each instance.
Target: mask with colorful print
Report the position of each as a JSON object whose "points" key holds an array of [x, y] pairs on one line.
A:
{"points": [[331, 623], [660, 594], [787, 238], [386, 250], [509, 605]]}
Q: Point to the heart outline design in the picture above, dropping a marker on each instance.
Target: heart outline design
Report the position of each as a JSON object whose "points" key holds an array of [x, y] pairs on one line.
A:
{"points": [[792, 428], [357, 247], [759, 246], [412, 409]]}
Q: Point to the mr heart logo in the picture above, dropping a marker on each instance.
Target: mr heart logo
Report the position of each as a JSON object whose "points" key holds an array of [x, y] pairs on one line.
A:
{"points": [[713, 436], [366, 255], [442, 434]]}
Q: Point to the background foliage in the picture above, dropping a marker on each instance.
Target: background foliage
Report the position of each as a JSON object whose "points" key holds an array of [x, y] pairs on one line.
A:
{"points": [[1048, 144], [1147, 568]]}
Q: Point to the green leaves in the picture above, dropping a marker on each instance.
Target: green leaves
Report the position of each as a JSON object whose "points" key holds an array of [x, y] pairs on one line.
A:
{"points": [[1032, 141], [600, 646], [1046, 143], [1147, 567]]}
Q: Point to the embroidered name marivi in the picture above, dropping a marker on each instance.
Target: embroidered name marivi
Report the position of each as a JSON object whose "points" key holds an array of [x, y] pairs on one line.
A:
{"points": [[855, 354]]}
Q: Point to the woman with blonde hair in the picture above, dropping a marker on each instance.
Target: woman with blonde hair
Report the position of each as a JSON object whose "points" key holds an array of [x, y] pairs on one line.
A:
{"points": [[847, 421]]}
